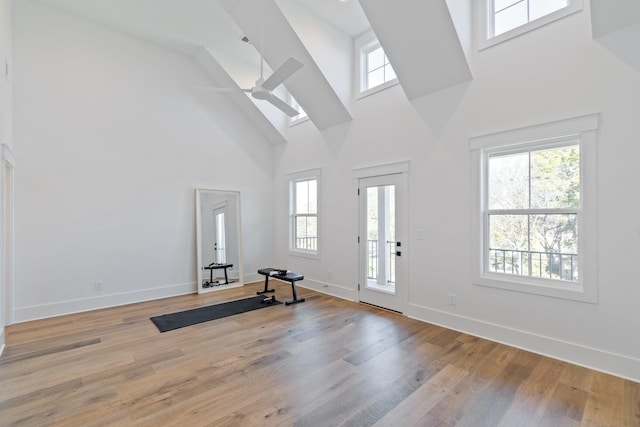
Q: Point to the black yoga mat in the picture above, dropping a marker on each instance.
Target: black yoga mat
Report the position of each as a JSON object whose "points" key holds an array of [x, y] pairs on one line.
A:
{"points": [[169, 322]]}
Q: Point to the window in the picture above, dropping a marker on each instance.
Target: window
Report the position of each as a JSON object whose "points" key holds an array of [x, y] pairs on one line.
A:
{"points": [[536, 228], [302, 116], [304, 191], [376, 71], [532, 209], [504, 19]]}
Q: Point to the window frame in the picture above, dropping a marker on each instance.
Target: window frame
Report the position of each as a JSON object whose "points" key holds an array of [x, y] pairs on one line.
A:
{"points": [[293, 179], [579, 131], [300, 118], [365, 45], [485, 17]]}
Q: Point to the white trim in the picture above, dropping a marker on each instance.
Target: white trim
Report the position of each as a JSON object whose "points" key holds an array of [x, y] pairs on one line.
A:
{"points": [[593, 358], [401, 168], [332, 289], [546, 131], [35, 312], [385, 169], [582, 129], [8, 240], [485, 23], [376, 89], [8, 155]]}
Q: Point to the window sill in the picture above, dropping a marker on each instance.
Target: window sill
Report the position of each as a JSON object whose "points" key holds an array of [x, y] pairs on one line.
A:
{"points": [[304, 254], [296, 122], [377, 89], [575, 291]]}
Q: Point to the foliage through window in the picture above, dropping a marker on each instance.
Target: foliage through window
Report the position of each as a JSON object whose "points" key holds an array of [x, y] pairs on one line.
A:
{"points": [[532, 212], [304, 216], [376, 69]]}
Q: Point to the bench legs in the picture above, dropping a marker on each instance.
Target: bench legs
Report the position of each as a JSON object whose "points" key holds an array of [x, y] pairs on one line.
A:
{"points": [[266, 287], [295, 299]]}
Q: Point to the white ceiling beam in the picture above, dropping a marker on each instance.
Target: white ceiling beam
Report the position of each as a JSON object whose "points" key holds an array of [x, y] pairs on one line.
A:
{"points": [[254, 115], [421, 42], [608, 16], [308, 85]]}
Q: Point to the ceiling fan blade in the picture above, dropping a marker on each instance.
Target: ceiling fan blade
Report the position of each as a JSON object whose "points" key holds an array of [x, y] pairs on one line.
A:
{"points": [[283, 106], [289, 67]]}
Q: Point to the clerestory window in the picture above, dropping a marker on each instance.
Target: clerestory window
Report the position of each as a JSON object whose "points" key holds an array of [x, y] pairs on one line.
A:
{"points": [[504, 19], [376, 71]]}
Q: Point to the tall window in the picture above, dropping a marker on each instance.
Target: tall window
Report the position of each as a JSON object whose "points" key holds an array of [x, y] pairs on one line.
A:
{"points": [[536, 227], [532, 211], [304, 214], [376, 69], [504, 19]]}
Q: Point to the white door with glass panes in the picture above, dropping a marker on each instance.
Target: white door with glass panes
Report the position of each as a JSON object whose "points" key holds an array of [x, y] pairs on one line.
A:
{"points": [[381, 241], [220, 235]]}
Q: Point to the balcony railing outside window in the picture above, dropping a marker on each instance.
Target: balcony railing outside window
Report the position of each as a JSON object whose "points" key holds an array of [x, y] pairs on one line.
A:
{"points": [[372, 265], [552, 265], [307, 243]]}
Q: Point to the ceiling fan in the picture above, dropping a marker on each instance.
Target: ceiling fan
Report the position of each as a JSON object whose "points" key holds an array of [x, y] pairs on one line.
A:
{"points": [[263, 89]]}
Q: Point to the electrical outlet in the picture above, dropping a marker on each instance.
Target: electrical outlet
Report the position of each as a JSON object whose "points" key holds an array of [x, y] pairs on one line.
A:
{"points": [[419, 235], [97, 285], [452, 299]]}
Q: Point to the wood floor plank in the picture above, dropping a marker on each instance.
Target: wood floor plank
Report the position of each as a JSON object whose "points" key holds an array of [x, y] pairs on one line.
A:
{"points": [[321, 363]]}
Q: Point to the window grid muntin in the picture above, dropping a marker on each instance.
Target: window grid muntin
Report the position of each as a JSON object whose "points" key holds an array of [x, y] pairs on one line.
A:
{"points": [[491, 15], [487, 212], [366, 72]]}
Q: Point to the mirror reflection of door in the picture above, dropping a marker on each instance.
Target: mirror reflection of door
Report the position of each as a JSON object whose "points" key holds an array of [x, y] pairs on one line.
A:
{"points": [[379, 245], [220, 237]]}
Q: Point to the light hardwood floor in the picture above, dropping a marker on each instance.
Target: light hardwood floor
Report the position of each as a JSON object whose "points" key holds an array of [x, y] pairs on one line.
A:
{"points": [[324, 362]]}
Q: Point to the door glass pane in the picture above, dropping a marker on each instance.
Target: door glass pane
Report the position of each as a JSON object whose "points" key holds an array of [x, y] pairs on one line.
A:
{"points": [[221, 256], [381, 245]]}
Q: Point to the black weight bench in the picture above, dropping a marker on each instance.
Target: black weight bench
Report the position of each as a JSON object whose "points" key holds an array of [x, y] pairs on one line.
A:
{"points": [[284, 276], [216, 266]]}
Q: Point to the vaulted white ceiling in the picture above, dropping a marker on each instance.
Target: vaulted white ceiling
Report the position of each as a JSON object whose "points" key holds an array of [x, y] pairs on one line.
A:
{"points": [[616, 25], [318, 33]]}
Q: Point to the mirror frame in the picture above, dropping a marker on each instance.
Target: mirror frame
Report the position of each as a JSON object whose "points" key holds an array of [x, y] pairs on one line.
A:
{"points": [[200, 272]]}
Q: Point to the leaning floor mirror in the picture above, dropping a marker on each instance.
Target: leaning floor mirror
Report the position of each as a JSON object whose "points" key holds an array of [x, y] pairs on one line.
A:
{"points": [[218, 240]]}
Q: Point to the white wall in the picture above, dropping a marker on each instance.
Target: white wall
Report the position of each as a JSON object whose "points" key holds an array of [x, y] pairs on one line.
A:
{"points": [[113, 146], [553, 73], [6, 63]]}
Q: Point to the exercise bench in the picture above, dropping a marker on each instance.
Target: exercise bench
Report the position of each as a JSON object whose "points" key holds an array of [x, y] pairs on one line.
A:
{"points": [[283, 275], [216, 266]]}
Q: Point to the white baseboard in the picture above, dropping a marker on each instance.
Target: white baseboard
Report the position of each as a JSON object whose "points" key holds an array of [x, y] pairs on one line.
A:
{"points": [[577, 354], [25, 314], [2, 341], [329, 288]]}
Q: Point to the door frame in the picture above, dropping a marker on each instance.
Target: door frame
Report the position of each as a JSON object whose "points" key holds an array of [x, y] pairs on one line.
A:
{"points": [[402, 202], [8, 224]]}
